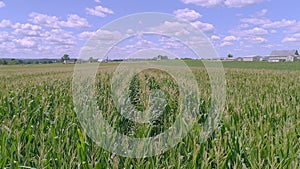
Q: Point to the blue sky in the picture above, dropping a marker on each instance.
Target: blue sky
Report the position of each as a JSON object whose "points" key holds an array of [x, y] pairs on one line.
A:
{"points": [[49, 29]]}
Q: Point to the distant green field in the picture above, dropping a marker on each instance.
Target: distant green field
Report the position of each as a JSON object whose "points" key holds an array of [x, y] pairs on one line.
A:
{"points": [[259, 125], [252, 65], [263, 65], [191, 63]]}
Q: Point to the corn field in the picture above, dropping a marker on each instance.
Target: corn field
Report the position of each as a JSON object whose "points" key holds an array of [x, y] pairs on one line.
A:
{"points": [[259, 126]]}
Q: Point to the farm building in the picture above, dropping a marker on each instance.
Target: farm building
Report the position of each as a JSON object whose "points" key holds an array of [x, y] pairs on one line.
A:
{"points": [[230, 59], [283, 56], [71, 61], [233, 59], [239, 59], [252, 58]]}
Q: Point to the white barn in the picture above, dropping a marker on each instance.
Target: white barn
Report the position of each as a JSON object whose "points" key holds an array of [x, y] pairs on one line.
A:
{"points": [[283, 56], [252, 58]]}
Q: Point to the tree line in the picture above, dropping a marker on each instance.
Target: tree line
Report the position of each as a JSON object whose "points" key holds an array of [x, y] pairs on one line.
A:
{"points": [[64, 59], [13, 61], [8, 61]]}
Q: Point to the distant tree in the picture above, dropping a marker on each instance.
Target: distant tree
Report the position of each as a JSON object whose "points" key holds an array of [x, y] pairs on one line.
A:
{"points": [[79, 61], [160, 57], [230, 56], [28, 62], [20, 61], [186, 58], [164, 58], [91, 60], [12, 62], [65, 57]]}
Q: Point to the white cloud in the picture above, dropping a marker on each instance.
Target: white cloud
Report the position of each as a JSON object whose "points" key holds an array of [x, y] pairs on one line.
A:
{"points": [[26, 26], [101, 40], [105, 35], [175, 28], [204, 3], [269, 46], [5, 24], [294, 28], [192, 16], [229, 41], [259, 40], [292, 38], [256, 35], [226, 44], [261, 13], [55, 43], [241, 3], [60, 37], [34, 41], [48, 40], [7, 47], [25, 42], [24, 32], [97, 0], [171, 44], [244, 25], [256, 21], [215, 38], [44, 20], [130, 31], [187, 14], [2, 4], [227, 3], [99, 11], [73, 21], [4, 36], [254, 32], [143, 43], [26, 29], [230, 38], [85, 35], [189, 35], [260, 20], [280, 24], [205, 27]]}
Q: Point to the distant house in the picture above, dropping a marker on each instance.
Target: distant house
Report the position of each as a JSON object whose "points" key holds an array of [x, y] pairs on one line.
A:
{"points": [[232, 59], [266, 58], [71, 61], [229, 59], [239, 59], [283, 56], [252, 58]]}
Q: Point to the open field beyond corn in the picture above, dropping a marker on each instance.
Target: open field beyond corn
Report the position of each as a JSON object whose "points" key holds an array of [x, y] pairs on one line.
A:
{"points": [[259, 126]]}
